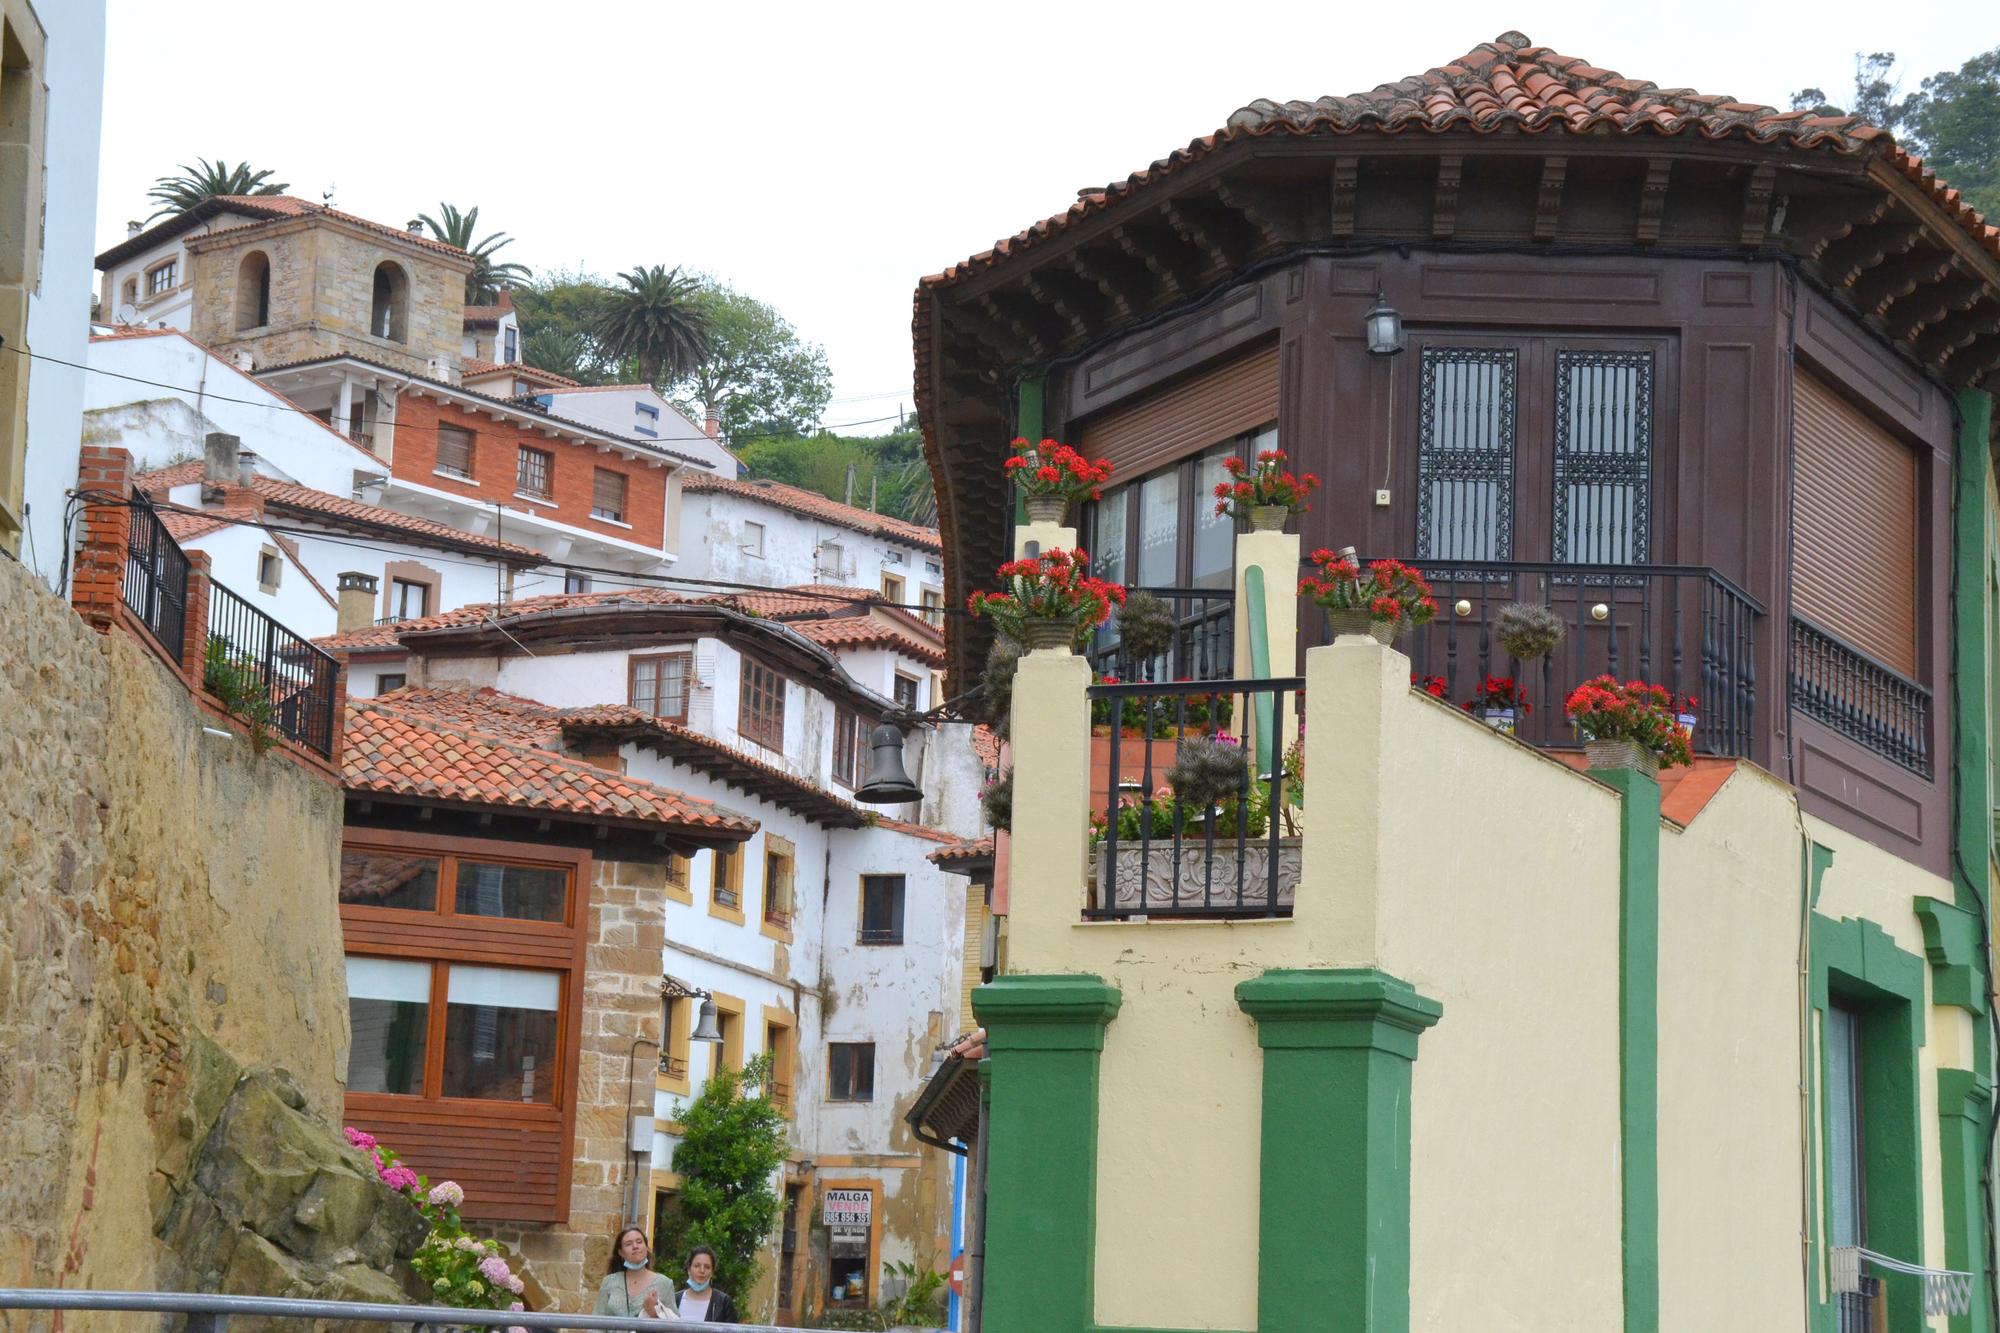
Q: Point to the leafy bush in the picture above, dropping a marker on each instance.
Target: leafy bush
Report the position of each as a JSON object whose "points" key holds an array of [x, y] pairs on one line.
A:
{"points": [[731, 1142], [235, 681]]}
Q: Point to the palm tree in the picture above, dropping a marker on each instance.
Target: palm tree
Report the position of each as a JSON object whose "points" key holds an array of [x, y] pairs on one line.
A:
{"points": [[207, 180], [564, 352], [483, 284], [659, 318]]}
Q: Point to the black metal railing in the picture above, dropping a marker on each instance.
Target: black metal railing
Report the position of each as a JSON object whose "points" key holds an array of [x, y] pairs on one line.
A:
{"points": [[1155, 853], [268, 675], [1856, 1309], [1836, 683], [673, 1066], [1685, 627], [156, 577], [1204, 644], [880, 935]]}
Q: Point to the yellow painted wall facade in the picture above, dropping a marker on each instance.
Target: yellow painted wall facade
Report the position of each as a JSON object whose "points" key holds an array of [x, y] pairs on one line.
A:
{"points": [[1488, 876]]}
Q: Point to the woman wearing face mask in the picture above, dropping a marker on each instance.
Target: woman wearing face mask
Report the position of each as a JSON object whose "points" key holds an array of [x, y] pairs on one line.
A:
{"points": [[631, 1288], [699, 1299]]}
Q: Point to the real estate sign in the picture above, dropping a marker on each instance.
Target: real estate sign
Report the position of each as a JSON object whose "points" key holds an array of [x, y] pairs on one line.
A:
{"points": [[847, 1214]]}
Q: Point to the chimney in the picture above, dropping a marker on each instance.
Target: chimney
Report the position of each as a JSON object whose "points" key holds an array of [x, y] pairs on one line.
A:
{"points": [[416, 226], [506, 298], [218, 462], [712, 424], [243, 360], [133, 229], [246, 467], [357, 601]]}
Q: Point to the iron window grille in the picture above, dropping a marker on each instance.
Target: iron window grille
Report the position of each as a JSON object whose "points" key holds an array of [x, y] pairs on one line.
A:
{"points": [[1603, 457], [1465, 453]]}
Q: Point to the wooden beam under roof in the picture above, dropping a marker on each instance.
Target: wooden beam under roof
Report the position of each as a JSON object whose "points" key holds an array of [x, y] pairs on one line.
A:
{"points": [[1758, 189], [1444, 197], [1274, 213], [1811, 225], [1861, 250], [1955, 290], [1896, 277], [1549, 196], [1653, 199], [1140, 246], [1346, 185]]}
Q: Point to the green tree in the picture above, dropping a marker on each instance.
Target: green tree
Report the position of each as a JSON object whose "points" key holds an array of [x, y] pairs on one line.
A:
{"points": [[208, 180], [1952, 121], [560, 313], [889, 470], [731, 1143], [756, 375], [658, 319], [483, 284]]}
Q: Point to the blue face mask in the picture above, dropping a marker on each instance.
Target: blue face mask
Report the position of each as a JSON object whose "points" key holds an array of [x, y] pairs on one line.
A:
{"points": [[634, 1267], [693, 1285]]}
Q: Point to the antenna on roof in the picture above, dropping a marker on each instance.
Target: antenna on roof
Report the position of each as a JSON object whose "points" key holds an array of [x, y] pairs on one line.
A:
{"points": [[326, 196]]}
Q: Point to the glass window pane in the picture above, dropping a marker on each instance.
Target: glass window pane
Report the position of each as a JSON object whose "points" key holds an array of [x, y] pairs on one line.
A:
{"points": [[1159, 530], [1603, 456], [500, 1034], [1843, 1127], [389, 879], [1465, 459], [388, 1011], [1107, 556], [1214, 534], [525, 893]]}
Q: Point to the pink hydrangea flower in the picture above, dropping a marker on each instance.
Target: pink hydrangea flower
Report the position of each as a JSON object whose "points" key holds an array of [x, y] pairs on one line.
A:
{"points": [[516, 1308], [515, 1285], [496, 1271], [360, 1138], [399, 1178], [446, 1193]]}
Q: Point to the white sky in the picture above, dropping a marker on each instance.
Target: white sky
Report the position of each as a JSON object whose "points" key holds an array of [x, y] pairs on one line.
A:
{"points": [[823, 157]]}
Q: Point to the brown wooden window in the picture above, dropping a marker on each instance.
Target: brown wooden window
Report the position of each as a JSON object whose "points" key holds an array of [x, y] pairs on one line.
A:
{"points": [[780, 1043], [725, 887], [850, 747], [163, 278], [761, 715], [657, 684], [780, 861], [933, 604], [463, 964], [881, 909], [408, 600], [892, 589], [1162, 530], [454, 454], [533, 472], [607, 495], [850, 1071], [906, 692]]}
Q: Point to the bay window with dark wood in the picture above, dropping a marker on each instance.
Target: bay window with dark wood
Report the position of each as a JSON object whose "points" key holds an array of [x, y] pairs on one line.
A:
{"points": [[761, 705], [464, 976]]}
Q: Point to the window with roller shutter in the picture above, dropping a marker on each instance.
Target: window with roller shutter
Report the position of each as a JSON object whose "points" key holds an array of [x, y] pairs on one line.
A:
{"points": [[1854, 572], [1237, 396], [607, 495]]}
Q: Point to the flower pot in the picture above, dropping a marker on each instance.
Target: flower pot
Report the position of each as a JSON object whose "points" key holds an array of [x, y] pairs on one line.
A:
{"points": [[1622, 754], [1687, 721], [1043, 635], [1500, 719], [1342, 624], [1047, 509], [1269, 518]]}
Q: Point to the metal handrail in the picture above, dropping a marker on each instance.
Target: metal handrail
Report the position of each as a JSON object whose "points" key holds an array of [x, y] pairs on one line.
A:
{"points": [[218, 1309], [1590, 573]]}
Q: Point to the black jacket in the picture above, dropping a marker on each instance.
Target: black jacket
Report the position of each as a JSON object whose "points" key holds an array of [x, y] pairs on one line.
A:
{"points": [[721, 1310]]}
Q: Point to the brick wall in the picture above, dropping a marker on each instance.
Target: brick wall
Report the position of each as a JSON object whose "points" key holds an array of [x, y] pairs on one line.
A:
{"points": [[495, 457], [621, 1005]]}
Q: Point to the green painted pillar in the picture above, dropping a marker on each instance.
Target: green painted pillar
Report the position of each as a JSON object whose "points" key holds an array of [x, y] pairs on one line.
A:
{"points": [[1965, 1099], [1334, 1189], [1043, 1038], [1639, 1042], [1028, 418]]}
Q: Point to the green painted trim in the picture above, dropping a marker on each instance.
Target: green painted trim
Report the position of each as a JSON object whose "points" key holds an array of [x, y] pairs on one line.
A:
{"points": [[1965, 1100], [1029, 395], [1855, 961], [1043, 1039], [1951, 940], [1260, 664], [1333, 1210], [1819, 1314], [1639, 1042], [1971, 671]]}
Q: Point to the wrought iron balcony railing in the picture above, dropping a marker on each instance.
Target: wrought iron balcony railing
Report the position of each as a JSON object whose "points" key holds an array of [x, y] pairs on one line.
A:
{"points": [[1838, 684], [1203, 645], [269, 674], [156, 577]]}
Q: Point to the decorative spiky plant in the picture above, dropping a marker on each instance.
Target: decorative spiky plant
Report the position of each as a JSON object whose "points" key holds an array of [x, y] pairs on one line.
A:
{"points": [[1208, 769], [1145, 627], [1527, 631]]}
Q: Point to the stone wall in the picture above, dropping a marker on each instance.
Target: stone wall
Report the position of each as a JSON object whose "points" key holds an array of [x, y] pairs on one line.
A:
{"points": [[160, 887], [322, 294], [621, 1007]]}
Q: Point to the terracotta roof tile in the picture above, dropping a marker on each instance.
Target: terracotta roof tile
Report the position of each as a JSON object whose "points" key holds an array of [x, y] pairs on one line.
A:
{"points": [[375, 638], [401, 745], [868, 632], [185, 525], [472, 368], [814, 505], [486, 314], [1510, 85], [285, 495], [977, 849]]}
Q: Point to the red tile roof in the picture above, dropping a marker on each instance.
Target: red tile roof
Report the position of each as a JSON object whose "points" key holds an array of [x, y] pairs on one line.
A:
{"points": [[814, 505], [486, 314], [373, 639], [472, 368], [923, 831], [400, 745], [285, 495], [186, 525], [868, 632], [474, 613], [958, 852], [1511, 85]]}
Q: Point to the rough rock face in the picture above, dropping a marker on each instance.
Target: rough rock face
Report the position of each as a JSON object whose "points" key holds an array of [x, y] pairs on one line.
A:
{"points": [[271, 1201]]}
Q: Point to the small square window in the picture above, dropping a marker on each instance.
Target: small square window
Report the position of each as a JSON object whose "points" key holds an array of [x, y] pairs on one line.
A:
{"points": [[657, 684], [408, 600], [892, 589], [454, 451], [270, 568], [753, 539], [534, 473], [390, 680], [850, 1071], [646, 419], [906, 692], [607, 495], [881, 909], [575, 582], [164, 278]]}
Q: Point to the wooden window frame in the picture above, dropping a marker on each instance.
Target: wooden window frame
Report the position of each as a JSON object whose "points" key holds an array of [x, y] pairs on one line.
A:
{"points": [[680, 890], [932, 601], [784, 1052], [438, 463], [902, 926], [597, 511], [916, 684], [170, 266], [443, 937], [522, 455], [277, 564], [895, 588], [728, 1051], [869, 1100], [779, 911], [1195, 505], [857, 746], [725, 872], [632, 665], [754, 724], [681, 1011]]}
